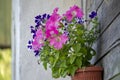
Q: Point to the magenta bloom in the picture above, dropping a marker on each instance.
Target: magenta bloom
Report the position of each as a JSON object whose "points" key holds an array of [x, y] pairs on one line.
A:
{"points": [[74, 11], [52, 24], [38, 41], [55, 10], [51, 32], [53, 20], [69, 15], [58, 41]]}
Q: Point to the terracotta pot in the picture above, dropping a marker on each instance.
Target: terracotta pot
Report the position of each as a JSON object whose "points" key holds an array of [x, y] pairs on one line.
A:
{"points": [[88, 73]]}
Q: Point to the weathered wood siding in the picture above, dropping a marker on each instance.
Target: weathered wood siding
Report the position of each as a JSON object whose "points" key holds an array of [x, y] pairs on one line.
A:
{"points": [[108, 44]]}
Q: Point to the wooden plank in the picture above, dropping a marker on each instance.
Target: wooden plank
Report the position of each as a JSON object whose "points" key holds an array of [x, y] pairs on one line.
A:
{"points": [[92, 5], [89, 2], [95, 4], [110, 36], [107, 12], [108, 46], [111, 63], [116, 77]]}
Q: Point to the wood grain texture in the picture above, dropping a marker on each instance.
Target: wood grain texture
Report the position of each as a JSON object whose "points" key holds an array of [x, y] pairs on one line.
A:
{"points": [[111, 63], [96, 4], [108, 44], [107, 13], [117, 77], [110, 37]]}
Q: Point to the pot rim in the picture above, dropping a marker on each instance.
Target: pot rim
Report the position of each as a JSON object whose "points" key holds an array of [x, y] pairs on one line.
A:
{"points": [[90, 69]]}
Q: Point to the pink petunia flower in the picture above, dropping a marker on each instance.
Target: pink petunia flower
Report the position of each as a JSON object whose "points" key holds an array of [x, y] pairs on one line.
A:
{"points": [[38, 41], [53, 20], [74, 11], [51, 32], [52, 24], [58, 41]]}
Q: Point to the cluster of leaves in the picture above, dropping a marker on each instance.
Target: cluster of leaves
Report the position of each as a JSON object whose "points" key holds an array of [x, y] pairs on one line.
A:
{"points": [[75, 54]]}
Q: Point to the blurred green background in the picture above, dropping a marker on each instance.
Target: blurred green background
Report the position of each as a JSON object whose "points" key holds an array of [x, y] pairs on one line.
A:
{"points": [[5, 39], [5, 23], [5, 64]]}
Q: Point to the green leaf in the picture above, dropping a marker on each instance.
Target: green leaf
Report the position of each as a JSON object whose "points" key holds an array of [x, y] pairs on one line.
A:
{"points": [[72, 58], [63, 64], [56, 58], [45, 65], [55, 72], [51, 59], [64, 73], [80, 32], [83, 50], [57, 55], [60, 70], [54, 63], [89, 56], [76, 47], [70, 25], [78, 62], [79, 54], [79, 27], [73, 70]]}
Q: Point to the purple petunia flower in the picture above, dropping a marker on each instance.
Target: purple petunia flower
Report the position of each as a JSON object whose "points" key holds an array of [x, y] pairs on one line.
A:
{"points": [[48, 16], [38, 17], [33, 31], [44, 16], [29, 46], [36, 53], [93, 14]]}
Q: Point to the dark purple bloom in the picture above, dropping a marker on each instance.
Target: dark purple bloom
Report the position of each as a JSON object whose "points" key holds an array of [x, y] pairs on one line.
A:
{"points": [[36, 53], [80, 21], [37, 21], [31, 27], [38, 17], [48, 16], [29, 46], [92, 14], [44, 16], [34, 35], [37, 25], [29, 42], [33, 31], [65, 24]]}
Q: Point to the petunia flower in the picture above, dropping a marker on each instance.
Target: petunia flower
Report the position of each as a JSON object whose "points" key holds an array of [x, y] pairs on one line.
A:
{"points": [[93, 14], [51, 32], [58, 41], [74, 11], [53, 20], [38, 41]]}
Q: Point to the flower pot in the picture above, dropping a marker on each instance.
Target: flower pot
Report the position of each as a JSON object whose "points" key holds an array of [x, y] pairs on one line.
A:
{"points": [[88, 73]]}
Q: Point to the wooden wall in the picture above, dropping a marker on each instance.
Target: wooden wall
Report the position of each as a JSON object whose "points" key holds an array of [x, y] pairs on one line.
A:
{"points": [[108, 44]]}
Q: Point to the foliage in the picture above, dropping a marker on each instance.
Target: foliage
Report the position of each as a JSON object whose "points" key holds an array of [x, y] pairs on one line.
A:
{"points": [[64, 42], [5, 64]]}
